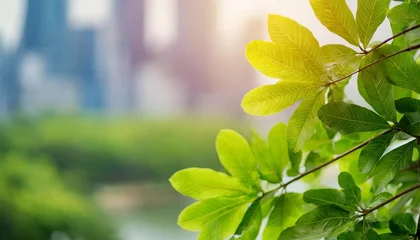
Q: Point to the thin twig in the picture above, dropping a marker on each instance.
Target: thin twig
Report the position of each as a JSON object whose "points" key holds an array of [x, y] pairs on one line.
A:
{"points": [[335, 158], [395, 36], [417, 46], [415, 187]]}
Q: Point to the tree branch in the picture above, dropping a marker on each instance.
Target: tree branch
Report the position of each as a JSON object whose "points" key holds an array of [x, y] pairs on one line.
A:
{"points": [[395, 36], [335, 158], [391, 199], [417, 46]]}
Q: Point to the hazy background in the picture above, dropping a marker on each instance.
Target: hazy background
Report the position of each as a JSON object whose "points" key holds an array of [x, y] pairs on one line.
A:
{"points": [[102, 100]]}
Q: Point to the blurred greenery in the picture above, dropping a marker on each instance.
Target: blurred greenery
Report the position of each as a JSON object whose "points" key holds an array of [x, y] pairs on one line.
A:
{"points": [[51, 166], [117, 150], [35, 204]]}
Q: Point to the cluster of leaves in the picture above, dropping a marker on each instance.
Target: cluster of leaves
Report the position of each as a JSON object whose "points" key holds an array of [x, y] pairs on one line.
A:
{"points": [[378, 199]]}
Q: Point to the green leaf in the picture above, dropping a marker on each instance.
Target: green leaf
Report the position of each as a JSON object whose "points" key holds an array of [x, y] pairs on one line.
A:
{"points": [[407, 104], [379, 199], [371, 154], [410, 123], [277, 141], [304, 121], [321, 197], [378, 92], [350, 189], [390, 164], [337, 17], [312, 161], [295, 160], [403, 223], [402, 17], [290, 35], [323, 219], [294, 233], [337, 54], [200, 183], [236, 157], [195, 216], [349, 118], [369, 16], [286, 211], [269, 168], [401, 69], [372, 235], [223, 226], [350, 236], [251, 223], [273, 98], [274, 61]]}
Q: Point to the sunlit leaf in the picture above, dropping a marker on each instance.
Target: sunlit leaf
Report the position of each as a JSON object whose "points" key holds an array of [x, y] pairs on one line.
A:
{"points": [[286, 211], [370, 14], [277, 140], [195, 216], [321, 197], [251, 223], [371, 154], [351, 190], [349, 118], [275, 61], [401, 69], [273, 98], [337, 54], [407, 104], [390, 164], [289, 34], [304, 121], [323, 219], [403, 223], [236, 156], [200, 183], [378, 92], [337, 17], [269, 168]]}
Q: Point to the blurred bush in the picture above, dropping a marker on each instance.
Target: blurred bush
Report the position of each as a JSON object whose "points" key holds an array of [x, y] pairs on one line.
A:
{"points": [[36, 205], [102, 151]]}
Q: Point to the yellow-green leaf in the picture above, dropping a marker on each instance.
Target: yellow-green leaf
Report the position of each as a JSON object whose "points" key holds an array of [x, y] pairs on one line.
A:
{"points": [[304, 121], [337, 17], [195, 216], [202, 183], [270, 169], [289, 34], [275, 61], [332, 54], [273, 98], [370, 14], [236, 156], [277, 141]]}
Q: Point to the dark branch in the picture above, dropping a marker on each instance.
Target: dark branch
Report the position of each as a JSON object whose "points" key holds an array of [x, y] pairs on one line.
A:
{"points": [[395, 36], [391, 199], [335, 159], [375, 62]]}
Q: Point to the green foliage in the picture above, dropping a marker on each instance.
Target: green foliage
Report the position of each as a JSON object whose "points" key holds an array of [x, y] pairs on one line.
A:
{"points": [[377, 146], [35, 203]]}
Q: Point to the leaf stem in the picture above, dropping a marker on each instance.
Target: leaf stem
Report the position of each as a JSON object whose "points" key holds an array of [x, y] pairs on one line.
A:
{"points": [[417, 46], [395, 36], [415, 187], [335, 158]]}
